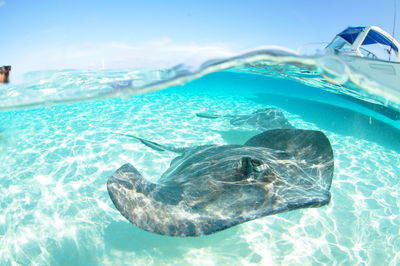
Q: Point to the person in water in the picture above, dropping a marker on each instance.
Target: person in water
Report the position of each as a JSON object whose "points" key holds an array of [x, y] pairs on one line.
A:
{"points": [[4, 74]]}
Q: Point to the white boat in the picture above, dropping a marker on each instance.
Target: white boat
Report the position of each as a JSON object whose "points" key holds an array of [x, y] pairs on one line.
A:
{"points": [[371, 51]]}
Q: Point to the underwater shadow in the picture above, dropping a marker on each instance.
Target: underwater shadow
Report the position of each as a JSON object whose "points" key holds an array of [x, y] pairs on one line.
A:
{"points": [[126, 237], [336, 119], [237, 137], [389, 112]]}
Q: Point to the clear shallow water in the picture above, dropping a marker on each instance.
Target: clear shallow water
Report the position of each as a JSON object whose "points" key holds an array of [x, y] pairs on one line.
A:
{"points": [[55, 162]]}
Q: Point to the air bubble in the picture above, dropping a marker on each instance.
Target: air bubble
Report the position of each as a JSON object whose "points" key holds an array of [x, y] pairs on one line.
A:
{"points": [[333, 70]]}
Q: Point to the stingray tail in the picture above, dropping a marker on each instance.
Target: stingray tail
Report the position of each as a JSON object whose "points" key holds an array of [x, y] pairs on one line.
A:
{"points": [[208, 115], [212, 116], [155, 146]]}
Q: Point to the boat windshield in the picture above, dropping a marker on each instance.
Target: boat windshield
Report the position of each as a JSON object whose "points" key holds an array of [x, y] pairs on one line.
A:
{"points": [[378, 46], [341, 45]]}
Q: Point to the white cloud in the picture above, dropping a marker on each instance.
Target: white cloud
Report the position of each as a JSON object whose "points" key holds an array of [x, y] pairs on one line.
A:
{"points": [[152, 54], [2, 3], [161, 42]]}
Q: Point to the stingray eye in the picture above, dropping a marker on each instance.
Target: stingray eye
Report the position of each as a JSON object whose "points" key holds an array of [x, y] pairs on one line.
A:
{"points": [[256, 163], [249, 165]]}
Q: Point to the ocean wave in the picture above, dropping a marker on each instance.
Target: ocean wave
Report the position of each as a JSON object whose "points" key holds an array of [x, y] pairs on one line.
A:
{"points": [[328, 72]]}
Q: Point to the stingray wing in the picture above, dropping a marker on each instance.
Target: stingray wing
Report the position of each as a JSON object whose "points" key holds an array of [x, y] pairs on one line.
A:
{"points": [[311, 149], [157, 208], [264, 119]]}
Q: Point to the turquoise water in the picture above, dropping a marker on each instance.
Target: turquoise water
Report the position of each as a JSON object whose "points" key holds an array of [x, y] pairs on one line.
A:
{"points": [[55, 161]]}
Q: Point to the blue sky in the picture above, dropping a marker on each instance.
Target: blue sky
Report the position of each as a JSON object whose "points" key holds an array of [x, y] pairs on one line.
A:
{"points": [[48, 34]]}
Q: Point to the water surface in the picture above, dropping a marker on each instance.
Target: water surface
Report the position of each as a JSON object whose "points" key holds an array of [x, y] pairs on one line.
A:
{"points": [[57, 153]]}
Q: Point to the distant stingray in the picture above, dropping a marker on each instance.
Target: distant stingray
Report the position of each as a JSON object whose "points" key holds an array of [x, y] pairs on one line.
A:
{"points": [[210, 188], [263, 119]]}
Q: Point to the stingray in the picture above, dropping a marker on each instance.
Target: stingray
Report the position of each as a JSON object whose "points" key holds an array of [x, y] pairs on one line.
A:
{"points": [[214, 187], [263, 119]]}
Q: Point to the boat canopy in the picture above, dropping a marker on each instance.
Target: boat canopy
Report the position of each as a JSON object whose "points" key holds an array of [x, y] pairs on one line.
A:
{"points": [[366, 41], [351, 33]]}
